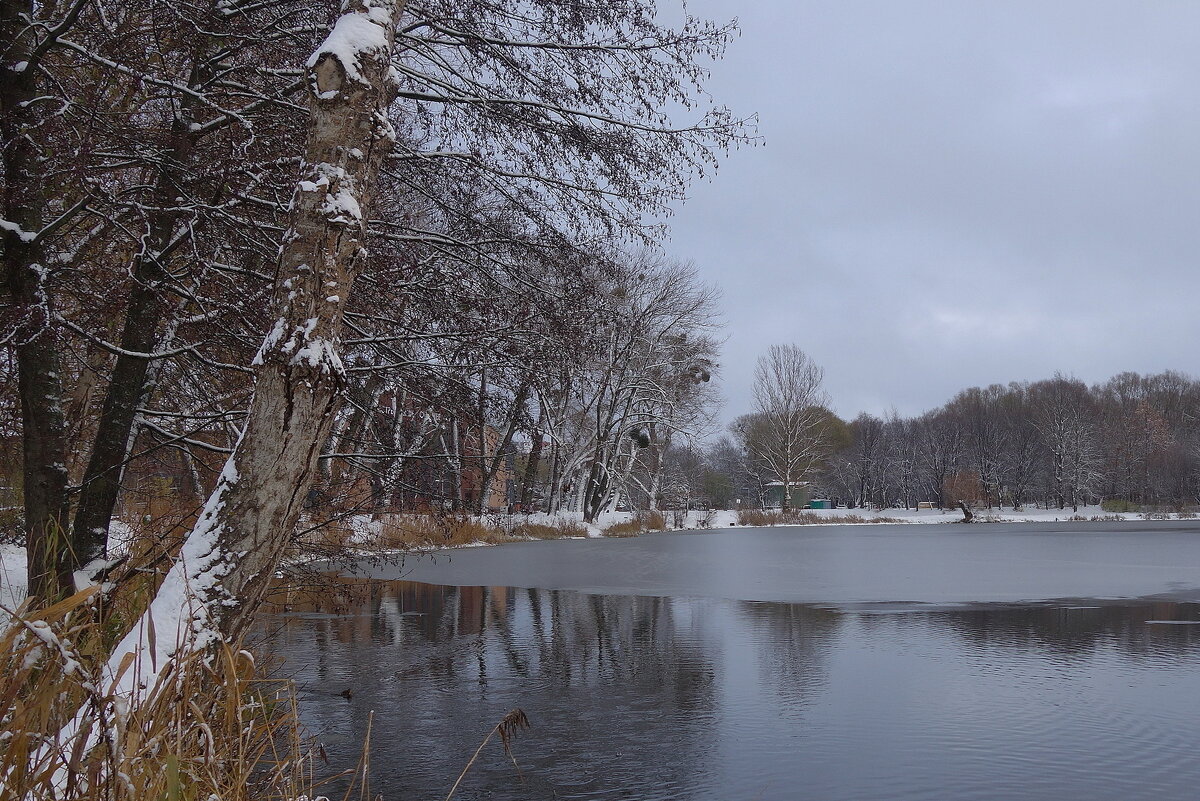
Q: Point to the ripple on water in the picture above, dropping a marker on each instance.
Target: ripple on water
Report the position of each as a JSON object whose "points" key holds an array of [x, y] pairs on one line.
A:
{"points": [[683, 698]]}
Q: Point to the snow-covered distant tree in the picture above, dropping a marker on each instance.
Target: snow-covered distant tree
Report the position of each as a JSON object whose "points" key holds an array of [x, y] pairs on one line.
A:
{"points": [[1063, 415], [866, 457], [645, 379], [1022, 453], [975, 412]]}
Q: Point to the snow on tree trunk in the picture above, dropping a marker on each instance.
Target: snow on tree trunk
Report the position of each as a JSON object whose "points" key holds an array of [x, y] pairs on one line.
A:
{"points": [[218, 579], [30, 332]]}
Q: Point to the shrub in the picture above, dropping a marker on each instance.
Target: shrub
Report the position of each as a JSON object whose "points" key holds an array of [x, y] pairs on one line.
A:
{"points": [[755, 517], [1119, 505], [641, 523], [542, 531], [653, 521], [803, 517], [629, 528]]}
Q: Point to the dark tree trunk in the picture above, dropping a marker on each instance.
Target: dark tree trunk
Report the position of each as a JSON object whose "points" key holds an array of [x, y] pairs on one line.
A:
{"points": [[531, 470], [31, 333], [127, 386], [364, 397], [597, 489], [492, 465]]}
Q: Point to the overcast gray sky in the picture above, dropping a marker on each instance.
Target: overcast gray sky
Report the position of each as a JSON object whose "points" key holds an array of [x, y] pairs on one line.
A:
{"points": [[956, 193]]}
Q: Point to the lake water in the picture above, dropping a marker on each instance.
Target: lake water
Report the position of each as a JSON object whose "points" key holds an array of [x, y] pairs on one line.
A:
{"points": [[1053, 661]]}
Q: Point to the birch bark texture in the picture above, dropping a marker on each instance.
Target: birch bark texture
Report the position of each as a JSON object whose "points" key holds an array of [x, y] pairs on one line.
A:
{"points": [[218, 580]]}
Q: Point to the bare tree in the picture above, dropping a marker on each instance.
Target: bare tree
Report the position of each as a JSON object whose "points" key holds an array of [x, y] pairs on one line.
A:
{"points": [[791, 438]]}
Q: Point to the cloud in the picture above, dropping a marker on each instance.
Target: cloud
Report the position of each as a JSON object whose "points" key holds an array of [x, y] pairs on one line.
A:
{"points": [[956, 194]]}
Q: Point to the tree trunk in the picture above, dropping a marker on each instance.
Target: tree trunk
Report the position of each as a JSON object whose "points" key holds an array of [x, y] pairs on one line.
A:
{"points": [[218, 580], [531, 468], [491, 465], [364, 397], [658, 448], [596, 488], [555, 499], [32, 334], [456, 466], [127, 385], [485, 489]]}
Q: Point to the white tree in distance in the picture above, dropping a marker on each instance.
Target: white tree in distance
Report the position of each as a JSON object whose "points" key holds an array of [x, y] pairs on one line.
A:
{"points": [[789, 404]]}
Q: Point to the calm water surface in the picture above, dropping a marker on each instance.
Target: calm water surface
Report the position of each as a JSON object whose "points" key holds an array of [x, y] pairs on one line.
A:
{"points": [[806, 663]]}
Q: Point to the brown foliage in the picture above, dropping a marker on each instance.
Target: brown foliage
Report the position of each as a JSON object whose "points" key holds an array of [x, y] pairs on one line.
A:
{"points": [[640, 524], [964, 487], [758, 517], [211, 729]]}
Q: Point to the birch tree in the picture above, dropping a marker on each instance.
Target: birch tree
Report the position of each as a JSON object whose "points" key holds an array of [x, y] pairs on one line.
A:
{"points": [[788, 401], [220, 574]]}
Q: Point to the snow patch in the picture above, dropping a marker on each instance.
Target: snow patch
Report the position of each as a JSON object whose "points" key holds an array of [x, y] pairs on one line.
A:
{"points": [[178, 618], [13, 585], [12, 227]]}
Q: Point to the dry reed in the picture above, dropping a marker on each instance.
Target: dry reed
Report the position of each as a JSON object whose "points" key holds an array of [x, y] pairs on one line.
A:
{"points": [[507, 728], [641, 523], [208, 729], [795, 517], [418, 531]]}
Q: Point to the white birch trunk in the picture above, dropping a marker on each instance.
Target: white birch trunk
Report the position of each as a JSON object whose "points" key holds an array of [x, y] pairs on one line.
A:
{"points": [[217, 582]]}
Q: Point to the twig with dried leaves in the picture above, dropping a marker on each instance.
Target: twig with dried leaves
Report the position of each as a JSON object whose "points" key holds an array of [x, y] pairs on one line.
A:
{"points": [[507, 728]]}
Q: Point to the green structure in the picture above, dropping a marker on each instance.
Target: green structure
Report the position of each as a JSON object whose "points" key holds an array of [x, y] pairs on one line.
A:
{"points": [[773, 495]]}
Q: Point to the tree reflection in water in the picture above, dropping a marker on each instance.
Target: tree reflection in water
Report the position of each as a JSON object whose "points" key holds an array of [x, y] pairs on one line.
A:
{"points": [[682, 698], [440, 665]]}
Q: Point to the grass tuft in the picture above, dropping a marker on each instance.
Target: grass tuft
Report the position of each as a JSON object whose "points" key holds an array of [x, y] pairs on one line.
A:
{"points": [[794, 517], [209, 729], [641, 523]]}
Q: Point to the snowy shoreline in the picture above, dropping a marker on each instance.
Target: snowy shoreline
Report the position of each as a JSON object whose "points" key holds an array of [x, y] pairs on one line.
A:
{"points": [[12, 557]]}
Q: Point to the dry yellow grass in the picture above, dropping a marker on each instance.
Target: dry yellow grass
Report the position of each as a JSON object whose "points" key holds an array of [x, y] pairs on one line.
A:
{"points": [[640, 524], [629, 528], [654, 521], [431, 531], [415, 531], [758, 517], [209, 730], [542, 531]]}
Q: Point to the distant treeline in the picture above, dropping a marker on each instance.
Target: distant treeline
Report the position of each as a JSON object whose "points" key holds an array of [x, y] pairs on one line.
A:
{"points": [[1129, 442]]}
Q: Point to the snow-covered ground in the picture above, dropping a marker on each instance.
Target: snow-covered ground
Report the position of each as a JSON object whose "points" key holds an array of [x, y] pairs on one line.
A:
{"points": [[727, 518], [1027, 514], [12, 575]]}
